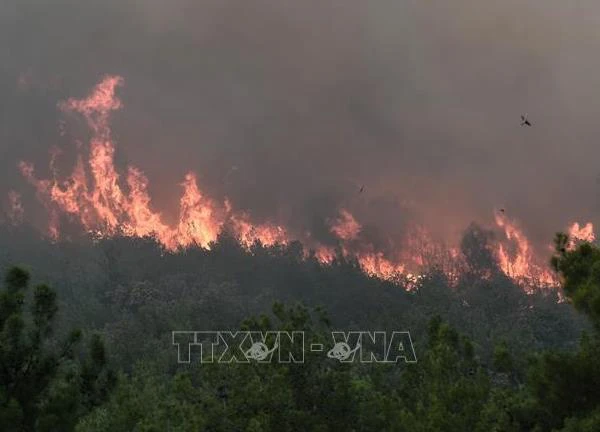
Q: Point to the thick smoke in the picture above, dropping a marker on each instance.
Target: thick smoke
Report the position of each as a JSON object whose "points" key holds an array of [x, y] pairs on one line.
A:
{"points": [[289, 107]]}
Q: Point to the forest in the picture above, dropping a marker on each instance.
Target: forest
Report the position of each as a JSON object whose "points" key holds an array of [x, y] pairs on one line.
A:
{"points": [[324, 167], [86, 340]]}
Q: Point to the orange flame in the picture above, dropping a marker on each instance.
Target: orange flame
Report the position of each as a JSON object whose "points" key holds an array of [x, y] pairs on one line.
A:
{"points": [[268, 235], [198, 221], [376, 264], [142, 220], [520, 264], [346, 227], [95, 196], [106, 208], [579, 234]]}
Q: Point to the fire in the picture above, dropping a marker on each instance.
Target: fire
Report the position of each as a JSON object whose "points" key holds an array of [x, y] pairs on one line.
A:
{"points": [[520, 264], [97, 107], [96, 197], [268, 235], [346, 227], [142, 220], [198, 221], [325, 254], [579, 234], [376, 264], [93, 194]]}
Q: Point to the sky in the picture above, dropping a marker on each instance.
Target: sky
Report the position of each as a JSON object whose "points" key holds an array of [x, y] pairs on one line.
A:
{"points": [[420, 102]]}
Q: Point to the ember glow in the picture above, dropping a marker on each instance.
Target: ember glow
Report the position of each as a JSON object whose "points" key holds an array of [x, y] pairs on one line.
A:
{"points": [[96, 197]]}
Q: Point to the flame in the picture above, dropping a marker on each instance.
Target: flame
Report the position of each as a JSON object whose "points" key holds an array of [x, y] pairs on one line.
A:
{"points": [[268, 235], [345, 226], [198, 221], [521, 264], [142, 220], [95, 196], [418, 252], [325, 254], [347, 229], [578, 234], [376, 264]]}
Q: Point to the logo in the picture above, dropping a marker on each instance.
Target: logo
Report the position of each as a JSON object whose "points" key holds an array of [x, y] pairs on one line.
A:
{"points": [[341, 351], [288, 347], [259, 351]]}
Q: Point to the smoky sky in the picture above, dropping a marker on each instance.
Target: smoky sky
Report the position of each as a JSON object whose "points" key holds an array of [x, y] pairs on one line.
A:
{"points": [[420, 101]]}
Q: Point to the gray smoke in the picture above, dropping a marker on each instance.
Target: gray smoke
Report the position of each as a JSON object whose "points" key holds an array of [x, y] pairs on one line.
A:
{"points": [[418, 101]]}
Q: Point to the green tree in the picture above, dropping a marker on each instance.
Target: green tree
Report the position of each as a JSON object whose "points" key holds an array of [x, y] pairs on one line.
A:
{"points": [[563, 387], [579, 268], [447, 389], [44, 385]]}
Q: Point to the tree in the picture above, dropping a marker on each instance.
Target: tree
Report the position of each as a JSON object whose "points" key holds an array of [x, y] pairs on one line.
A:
{"points": [[44, 385], [447, 388], [562, 387], [579, 268]]}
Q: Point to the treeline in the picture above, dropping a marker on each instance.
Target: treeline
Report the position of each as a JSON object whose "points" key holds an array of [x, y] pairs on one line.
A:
{"points": [[490, 357], [127, 287]]}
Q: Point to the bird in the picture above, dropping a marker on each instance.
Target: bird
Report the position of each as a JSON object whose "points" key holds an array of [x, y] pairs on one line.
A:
{"points": [[524, 121], [362, 188], [501, 210]]}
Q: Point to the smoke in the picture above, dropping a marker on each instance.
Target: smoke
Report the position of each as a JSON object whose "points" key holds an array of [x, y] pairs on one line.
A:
{"points": [[289, 107]]}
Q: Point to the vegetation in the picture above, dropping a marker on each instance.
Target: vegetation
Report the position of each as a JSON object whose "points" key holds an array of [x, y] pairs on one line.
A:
{"points": [[43, 386], [489, 357]]}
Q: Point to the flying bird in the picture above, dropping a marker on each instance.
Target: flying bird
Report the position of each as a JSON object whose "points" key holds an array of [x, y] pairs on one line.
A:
{"points": [[524, 121], [501, 210], [362, 188]]}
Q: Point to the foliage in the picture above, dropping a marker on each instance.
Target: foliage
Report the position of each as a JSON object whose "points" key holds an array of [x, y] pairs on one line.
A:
{"points": [[489, 356], [44, 385]]}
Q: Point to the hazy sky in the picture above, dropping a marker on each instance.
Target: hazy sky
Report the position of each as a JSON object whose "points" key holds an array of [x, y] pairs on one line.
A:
{"points": [[417, 100]]}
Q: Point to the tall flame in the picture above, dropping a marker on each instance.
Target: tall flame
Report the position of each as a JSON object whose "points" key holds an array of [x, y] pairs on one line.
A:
{"points": [[97, 198], [520, 264], [198, 221], [93, 194]]}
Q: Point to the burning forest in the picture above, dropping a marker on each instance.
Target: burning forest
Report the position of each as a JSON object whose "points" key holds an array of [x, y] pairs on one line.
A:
{"points": [[299, 215], [103, 202]]}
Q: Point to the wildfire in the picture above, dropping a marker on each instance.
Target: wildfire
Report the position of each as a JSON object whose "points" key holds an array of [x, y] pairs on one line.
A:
{"points": [[579, 234], [346, 227], [96, 197], [199, 222], [520, 264], [93, 194], [248, 233], [376, 264]]}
